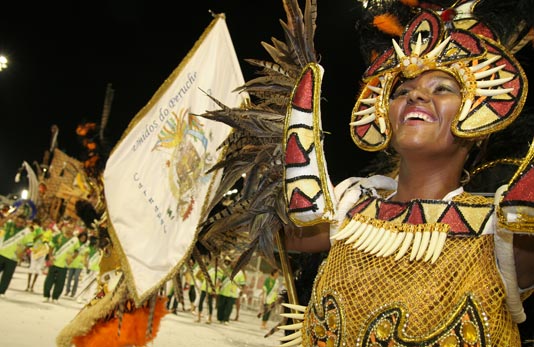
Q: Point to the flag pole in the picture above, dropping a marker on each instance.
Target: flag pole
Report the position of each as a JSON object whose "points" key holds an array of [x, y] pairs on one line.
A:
{"points": [[286, 267]]}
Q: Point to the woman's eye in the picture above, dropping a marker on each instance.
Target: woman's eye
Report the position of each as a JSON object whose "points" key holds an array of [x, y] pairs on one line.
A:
{"points": [[400, 92], [445, 89]]}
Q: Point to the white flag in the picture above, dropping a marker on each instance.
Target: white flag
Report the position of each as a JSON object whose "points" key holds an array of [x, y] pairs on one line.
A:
{"points": [[33, 187], [155, 182]]}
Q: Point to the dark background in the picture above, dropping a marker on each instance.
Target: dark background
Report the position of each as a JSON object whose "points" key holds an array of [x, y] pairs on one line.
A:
{"points": [[63, 54]]}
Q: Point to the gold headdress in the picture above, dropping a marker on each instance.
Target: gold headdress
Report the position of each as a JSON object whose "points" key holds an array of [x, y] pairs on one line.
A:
{"points": [[494, 86]]}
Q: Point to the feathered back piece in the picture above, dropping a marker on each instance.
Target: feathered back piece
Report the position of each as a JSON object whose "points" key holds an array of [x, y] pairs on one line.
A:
{"points": [[91, 137], [380, 20], [253, 157], [511, 20], [377, 22]]}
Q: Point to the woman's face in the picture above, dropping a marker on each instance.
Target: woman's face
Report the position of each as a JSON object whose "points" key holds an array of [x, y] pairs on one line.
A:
{"points": [[421, 112]]}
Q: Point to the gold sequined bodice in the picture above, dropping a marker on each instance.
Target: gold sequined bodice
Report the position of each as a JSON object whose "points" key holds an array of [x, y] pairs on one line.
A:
{"points": [[360, 299]]}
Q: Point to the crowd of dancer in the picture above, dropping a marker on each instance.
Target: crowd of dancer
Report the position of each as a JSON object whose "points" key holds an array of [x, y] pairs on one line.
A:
{"points": [[218, 295], [65, 252], [61, 251]]}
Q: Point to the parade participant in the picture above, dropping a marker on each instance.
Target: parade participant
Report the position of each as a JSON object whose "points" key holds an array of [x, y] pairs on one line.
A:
{"points": [[93, 268], [240, 296], [74, 269], [39, 249], [208, 290], [228, 291], [63, 249], [269, 296], [14, 243], [415, 259], [191, 269], [175, 295], [94, 256]]}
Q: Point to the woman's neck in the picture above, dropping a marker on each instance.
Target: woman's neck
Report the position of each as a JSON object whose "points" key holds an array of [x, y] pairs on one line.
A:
{"points": [[426, 180]]}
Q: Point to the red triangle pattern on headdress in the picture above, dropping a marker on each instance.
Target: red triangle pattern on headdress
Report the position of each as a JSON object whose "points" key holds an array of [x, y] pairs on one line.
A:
{"points": [[453, 217], [303, 97], [362, 129], [300, 201], [467, 45], [295, 153], [380, 63], [501, 108], [482, 29]]}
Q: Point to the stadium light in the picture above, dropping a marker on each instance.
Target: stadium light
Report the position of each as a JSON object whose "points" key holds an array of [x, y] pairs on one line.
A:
{"points": [[3, 62]]}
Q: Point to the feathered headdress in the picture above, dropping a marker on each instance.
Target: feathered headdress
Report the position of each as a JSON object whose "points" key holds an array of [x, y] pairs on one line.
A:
{"points": [[454, 40]]}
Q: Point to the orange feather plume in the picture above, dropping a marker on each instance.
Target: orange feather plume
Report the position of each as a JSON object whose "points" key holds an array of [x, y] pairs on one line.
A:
{"points": [[411, 3], [132, 332], [389, 24]]}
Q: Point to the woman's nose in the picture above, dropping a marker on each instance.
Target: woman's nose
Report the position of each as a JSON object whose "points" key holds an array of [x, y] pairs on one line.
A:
{"points": [[418, 94]]}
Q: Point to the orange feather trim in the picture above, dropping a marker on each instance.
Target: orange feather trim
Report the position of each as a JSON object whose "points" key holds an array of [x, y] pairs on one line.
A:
{"points": [[132, 332], [411, 3], [389, 24]]}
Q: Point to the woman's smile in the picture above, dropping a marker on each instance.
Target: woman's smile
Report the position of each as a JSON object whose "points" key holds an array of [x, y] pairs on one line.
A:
{"points": [[422, 110], [417, 114]]}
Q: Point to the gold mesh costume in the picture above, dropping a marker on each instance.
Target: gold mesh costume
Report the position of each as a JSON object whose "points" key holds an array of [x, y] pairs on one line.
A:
{"points": [[362, 299]]}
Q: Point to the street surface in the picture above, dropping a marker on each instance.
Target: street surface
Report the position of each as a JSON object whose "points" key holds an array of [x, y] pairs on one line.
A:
{"points": [[27, 321]]}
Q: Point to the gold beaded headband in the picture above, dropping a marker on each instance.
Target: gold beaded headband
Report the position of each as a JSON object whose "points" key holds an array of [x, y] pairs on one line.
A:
{"points": [[494, 86]]}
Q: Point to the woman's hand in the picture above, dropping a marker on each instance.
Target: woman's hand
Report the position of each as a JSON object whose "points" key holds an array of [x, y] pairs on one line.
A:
{"points": [[310, 239]]}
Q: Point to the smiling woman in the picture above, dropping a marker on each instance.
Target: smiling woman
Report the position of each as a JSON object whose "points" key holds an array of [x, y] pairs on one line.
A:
{"points": [[421, 112], [414, 259]]}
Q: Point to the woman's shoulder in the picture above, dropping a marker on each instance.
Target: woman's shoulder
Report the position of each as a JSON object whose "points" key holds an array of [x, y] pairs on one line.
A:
{"points": [[369, 182], [352, 187]]}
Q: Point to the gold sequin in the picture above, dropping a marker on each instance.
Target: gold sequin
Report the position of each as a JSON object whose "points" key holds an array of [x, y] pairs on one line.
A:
{"points": [[320, 331], [383, 329], [449, 341], [332, 322], [469, 333]]}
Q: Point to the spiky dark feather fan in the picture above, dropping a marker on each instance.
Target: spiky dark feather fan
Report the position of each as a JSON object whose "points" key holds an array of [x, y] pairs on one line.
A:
{"points": [[254, 148]]}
